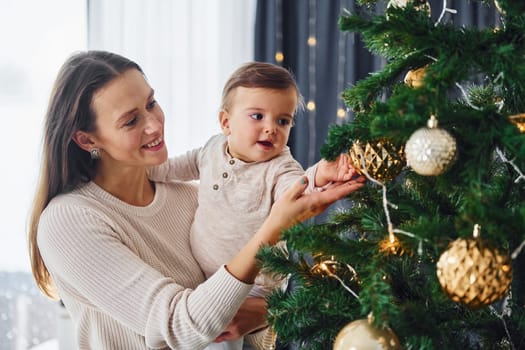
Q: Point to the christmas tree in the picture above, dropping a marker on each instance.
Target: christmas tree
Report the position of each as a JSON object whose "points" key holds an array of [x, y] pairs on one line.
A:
{"points": [[429, 255]]}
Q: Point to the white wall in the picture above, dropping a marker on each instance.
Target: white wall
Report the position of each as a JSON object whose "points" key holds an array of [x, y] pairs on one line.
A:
{"points": [[35, 38], [187, 48]]}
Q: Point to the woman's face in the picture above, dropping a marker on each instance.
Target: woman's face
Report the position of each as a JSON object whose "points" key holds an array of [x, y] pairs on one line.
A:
{"points": [[129, 123]]}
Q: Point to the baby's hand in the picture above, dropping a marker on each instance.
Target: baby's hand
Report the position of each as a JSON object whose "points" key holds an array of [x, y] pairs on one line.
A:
{"points": [[339, 170]]}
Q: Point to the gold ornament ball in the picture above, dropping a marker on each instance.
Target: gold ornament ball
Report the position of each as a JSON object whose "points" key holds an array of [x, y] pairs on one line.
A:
{"points": [[415, 78], [362, 335], [474, 273], [381, 159], [430, 151]]}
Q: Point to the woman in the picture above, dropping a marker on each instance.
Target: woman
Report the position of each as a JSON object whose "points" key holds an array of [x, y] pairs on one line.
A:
{"points": [[113, 244]]}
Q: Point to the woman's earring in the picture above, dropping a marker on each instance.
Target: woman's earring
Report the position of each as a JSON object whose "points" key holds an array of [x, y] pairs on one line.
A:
{"points": [[95, 153]]}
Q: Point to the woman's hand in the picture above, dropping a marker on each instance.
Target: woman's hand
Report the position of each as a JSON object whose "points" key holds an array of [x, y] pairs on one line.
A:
{"points": [[250, 317], [294, 207]]}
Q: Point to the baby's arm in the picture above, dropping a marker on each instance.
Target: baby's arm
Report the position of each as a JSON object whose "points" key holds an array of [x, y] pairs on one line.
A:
{"points": [[182, 168], [339, 170], [319, 175]]}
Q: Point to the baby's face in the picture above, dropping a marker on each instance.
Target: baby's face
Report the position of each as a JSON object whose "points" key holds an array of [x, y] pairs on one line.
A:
{"points": [[258, 122]]}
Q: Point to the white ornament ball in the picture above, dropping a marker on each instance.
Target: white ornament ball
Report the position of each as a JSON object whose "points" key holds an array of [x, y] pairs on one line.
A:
{"points": [[430, 151]]}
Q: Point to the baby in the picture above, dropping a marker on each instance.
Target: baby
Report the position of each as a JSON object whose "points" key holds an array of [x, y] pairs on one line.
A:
{"points": [[245, 169]]}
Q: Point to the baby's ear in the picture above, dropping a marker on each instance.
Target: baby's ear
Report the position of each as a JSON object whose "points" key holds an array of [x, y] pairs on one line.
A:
{"points": [[224, 121]]}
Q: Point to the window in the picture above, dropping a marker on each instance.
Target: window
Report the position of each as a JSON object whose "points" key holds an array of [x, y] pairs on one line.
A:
{"points": [[36, 38]]}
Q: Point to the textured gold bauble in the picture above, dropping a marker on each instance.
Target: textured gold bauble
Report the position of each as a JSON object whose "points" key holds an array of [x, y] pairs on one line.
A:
{"points": [[415, 78], [430, 151], [362, 335], [380, 159], [473, 272], [519, 121]]}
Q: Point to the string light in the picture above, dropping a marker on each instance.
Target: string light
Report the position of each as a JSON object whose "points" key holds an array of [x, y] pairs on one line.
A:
{"points": [[279, 57], [505, 311], [501, 155], [386, 204], [329, 267], [312, 86], [341, 67], [499, 152], [445, 10], [279, 53]]}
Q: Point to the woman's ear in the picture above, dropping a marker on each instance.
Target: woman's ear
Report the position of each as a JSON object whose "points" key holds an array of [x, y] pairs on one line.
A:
{"points": [[83, 140], [224, 121]]}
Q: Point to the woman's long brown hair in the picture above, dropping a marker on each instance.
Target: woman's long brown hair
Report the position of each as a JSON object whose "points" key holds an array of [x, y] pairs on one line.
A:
{"points": [[64, 165]]}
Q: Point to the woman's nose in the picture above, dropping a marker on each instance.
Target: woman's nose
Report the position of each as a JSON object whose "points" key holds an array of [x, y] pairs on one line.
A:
{"points": [[153, 124]]}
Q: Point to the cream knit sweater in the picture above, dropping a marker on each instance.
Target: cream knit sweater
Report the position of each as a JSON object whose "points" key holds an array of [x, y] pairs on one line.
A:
{"points": [[126, 274]]}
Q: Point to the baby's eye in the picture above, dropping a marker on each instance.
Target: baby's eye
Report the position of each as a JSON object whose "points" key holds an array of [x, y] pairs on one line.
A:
{"points": [[285, 121], [256, 116]]}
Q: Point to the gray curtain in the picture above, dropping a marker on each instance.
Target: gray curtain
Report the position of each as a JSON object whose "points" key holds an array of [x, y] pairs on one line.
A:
{"points": [[335, 62]]}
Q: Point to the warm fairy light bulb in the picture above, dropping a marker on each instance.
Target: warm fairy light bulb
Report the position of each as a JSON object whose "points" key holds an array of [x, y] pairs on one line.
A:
{"points": [[341, 113], [279, 56], [391, 237], [476, 230], [310, 105], [312, 41]]}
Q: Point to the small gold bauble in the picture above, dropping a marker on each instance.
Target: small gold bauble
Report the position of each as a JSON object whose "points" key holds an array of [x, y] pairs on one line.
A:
{"points": [[391, 246], [519, 121], [415, 78], [380, 159], [473, 272], [430, 151], [362, 335]]}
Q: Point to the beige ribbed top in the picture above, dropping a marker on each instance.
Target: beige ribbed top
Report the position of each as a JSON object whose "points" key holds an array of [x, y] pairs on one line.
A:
{"points": [[126, 274]]}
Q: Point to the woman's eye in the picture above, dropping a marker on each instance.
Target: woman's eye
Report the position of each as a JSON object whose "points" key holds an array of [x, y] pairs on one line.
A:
{"points": [[152, 104], [256, 116], [132, 121]]}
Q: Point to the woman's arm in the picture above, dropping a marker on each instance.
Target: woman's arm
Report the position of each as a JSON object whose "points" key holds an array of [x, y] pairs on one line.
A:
{"points": [[250, 317], [98, 272], [292, 208]]}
